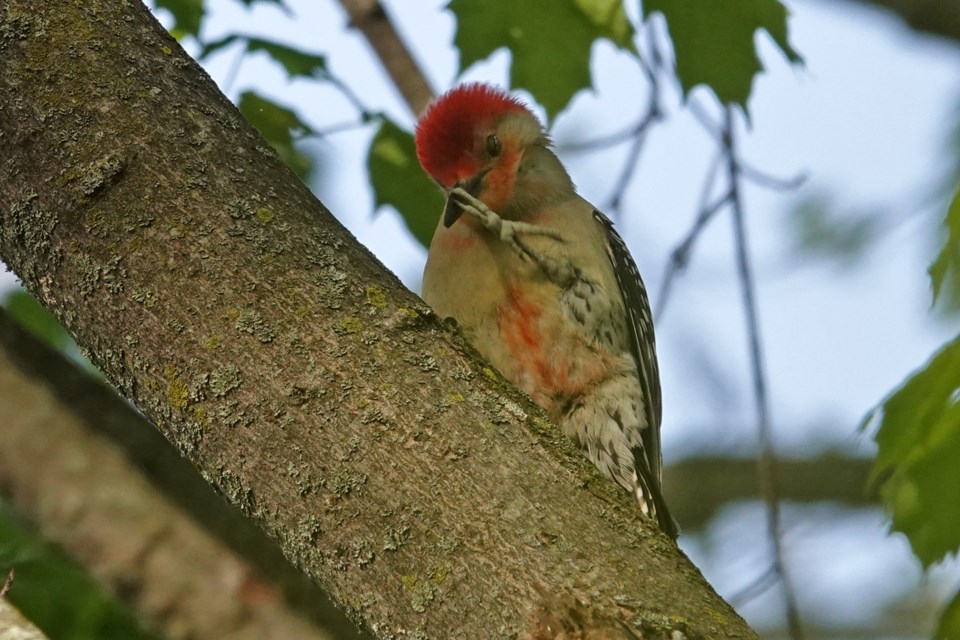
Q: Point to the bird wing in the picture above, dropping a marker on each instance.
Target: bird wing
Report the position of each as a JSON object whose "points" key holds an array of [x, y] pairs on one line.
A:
{"points": [[642, 344]]}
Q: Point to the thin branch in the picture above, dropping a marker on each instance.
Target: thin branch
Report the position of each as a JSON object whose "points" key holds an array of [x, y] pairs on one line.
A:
{"points": [[680, 256], [370, 18], [706, 121], [348, 93], [759, 586], [652, 114], [614, 139], [737, 171], [768, 181], [766, 461], [5, 589], [633, 159], [234, 70], [337, 128], [747, 171]]}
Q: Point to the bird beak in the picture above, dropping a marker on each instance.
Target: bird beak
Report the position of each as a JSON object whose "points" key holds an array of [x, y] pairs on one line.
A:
{"points": [[453, 208], [451, 211]]}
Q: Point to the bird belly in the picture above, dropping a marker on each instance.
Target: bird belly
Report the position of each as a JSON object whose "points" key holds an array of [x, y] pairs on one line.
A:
{"points": [[544, 354]]}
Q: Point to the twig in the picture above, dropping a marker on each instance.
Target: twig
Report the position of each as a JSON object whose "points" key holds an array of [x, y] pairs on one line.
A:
{"points": [[612, 140], [736, 171], [636, 133], [652, 114], [338, 128], [234, 70], [633, 159], [756, 588], [369, 17], [348, 93], [680, 256], [5, 589], [766, 462], [768, 181], [701, 115]]}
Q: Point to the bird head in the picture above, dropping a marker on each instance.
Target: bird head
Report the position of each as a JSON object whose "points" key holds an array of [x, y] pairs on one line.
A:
{"points": [[476, 137]]}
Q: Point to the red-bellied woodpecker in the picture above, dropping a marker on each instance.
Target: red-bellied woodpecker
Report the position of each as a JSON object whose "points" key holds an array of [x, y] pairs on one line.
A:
{"points": [[542, 284]]}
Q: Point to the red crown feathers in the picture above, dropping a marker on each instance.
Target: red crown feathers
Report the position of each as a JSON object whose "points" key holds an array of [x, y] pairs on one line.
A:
{"points": [[445, 132]]}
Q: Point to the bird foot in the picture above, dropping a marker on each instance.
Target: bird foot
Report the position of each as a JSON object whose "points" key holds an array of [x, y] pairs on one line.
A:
{"points": [[560, 272], [507, 230]]}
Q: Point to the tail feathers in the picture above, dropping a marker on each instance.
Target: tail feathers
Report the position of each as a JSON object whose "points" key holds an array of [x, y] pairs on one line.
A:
{"points": [[653, 505]]}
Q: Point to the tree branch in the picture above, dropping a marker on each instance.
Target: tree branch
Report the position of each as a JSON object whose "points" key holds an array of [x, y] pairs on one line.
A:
{"points": [[767, 460], [373, 22], [697, 487], [14, 626], [63, 477], [299, 376]]}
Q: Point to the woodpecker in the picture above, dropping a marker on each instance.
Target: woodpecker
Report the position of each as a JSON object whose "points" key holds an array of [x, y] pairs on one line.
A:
{"points": [[542, 285]]}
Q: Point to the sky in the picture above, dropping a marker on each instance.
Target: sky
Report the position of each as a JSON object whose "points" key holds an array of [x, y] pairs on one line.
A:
{"points": [[866, 120]]}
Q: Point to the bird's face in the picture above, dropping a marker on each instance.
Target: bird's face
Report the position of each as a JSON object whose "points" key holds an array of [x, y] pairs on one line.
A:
{"points": [[474, 138], [495, 160]]}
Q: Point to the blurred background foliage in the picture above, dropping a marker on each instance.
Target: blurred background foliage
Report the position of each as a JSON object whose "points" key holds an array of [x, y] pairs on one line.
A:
{"points": [[55, 594]]}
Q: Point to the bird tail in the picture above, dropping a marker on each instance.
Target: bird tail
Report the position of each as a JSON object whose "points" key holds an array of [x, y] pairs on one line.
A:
{"points": [[653, 505]]}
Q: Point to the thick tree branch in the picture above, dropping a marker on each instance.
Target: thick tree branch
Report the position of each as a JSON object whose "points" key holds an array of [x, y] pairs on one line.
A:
{"points": [[13, 626], [697, 487], [425, 494], [69, 442]]}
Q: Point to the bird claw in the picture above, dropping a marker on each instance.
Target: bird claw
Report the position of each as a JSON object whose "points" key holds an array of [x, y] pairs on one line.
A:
{"points": [[507, 230]]}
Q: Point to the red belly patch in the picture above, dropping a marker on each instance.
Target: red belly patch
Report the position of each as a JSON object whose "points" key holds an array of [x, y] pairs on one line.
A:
{"points": [[547, 358]]}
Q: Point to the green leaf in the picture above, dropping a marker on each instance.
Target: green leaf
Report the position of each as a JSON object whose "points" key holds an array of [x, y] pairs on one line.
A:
{"points": [[280, 126], [945, 270], [549, 40], [713, 42], [295, 62], [919, 446], [187, 16], [399, 181], [949, 625]]}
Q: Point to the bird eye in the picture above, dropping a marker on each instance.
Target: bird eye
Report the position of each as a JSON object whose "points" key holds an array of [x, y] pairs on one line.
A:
{"points": [[493, 145]]}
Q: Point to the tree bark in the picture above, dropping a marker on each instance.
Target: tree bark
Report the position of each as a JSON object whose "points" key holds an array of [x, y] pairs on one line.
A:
{"points": [[13, 626], [429, 497], [61, 470]]}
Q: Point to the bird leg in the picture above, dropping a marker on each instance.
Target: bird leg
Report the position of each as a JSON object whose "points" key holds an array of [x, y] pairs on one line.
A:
{"points": [[561, 273]]}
